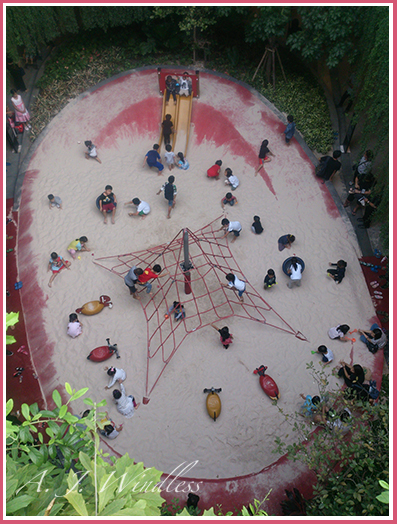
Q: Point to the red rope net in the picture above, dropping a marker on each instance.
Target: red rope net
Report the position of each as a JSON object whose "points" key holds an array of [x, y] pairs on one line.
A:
{"points": [[209, 301]]}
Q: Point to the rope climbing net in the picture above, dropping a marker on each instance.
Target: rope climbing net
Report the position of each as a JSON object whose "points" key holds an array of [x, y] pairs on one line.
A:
{"points": [[207, 300]]}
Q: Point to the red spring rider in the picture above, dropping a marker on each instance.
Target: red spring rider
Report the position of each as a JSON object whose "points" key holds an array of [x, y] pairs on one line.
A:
{"points": [[267, 383]]}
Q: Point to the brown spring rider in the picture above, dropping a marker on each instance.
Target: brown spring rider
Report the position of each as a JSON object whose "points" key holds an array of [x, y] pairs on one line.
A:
{"points": [[213, 402]]}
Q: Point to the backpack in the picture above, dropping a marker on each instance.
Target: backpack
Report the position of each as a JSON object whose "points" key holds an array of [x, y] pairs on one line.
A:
{"points": [[322, 166], [373, 391], [169, 191]]}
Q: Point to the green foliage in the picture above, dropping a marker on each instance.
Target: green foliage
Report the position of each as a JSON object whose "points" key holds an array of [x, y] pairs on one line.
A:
{"points": [[384, 496], [327, 32], [372, 104], [268, 23], [11, 320], [308, 105], [254, 510], [67, 475], [348, 466]]}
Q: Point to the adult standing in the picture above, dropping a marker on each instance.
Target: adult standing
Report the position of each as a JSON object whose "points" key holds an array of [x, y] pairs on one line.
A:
{"points": [[21, 113], [17, 73]]}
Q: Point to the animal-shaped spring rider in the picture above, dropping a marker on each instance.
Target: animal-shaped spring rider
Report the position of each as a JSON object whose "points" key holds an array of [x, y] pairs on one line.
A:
{"points": [[102, 353], [213, 402], [267, 383], [95, 306]]}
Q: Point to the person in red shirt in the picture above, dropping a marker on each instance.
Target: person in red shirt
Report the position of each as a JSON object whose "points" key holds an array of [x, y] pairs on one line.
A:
{"points": [[214, 171], [149, 274]]}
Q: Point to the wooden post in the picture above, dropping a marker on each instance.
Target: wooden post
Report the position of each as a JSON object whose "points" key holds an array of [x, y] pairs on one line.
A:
{"points": [[274, 68], [281, 65], [260, 63]]}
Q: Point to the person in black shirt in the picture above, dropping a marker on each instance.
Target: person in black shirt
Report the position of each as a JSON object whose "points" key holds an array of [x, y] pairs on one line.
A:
{"points": [[256, 225], [168, 128], [330, 166], [338, 273]]}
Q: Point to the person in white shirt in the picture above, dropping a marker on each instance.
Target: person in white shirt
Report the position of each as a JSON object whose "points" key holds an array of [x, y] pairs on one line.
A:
{"points": [[295, 273], [75, 328], [185, 84], [230, 227], [169, 157], [236, 283], [231, 180], [327, 355], [339, 331], [142, 208], [126, 405], [115, 374]]}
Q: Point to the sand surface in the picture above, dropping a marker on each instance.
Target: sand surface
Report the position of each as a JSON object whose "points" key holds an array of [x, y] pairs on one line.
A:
{"points": [[122, 118]]}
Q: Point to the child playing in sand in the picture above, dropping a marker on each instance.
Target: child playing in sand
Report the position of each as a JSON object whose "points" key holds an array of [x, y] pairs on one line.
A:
{"points": [[285, 242], [340, 331], [225, 337], [178, 309], [115, 374], [263, 155], [182, 162], [327, 355], [338, 273], [79, 244], [295, 273], [107, 203], [214, 171], [125, 404], [228, 199], [56, 264], [75, 328], [91, 151], [308, 407], [236, 283], [231, 180], [170, 192], [110, 429], [169, 156], [230, 227], [55, 201], [153, 158], [168, 129], [256, 226], [270, 279], [142, 208], [149, 274]]}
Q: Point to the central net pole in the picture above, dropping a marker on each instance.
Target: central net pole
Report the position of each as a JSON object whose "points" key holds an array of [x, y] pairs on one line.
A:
{"points": [[186, 266]]}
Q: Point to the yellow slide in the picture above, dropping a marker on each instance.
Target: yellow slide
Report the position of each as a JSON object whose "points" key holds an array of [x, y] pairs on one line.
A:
{"points": [[181, 113]]}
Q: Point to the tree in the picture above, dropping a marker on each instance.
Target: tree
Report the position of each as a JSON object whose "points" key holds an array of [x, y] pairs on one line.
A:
{"points": [[328, 32], [348, 466], [63, 472], [372, 104]]}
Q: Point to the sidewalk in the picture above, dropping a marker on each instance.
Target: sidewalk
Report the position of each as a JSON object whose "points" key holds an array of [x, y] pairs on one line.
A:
{"points": [[368, 239], [14, 175]]}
